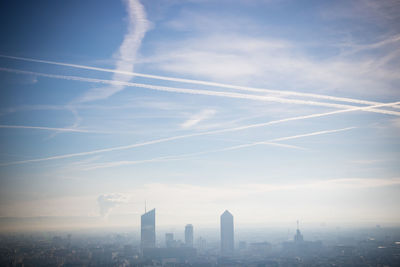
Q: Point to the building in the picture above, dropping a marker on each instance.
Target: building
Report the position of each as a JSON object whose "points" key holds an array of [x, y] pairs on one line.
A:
{"points": [[189, 235], [173, 255], [169, 240], [227, 234], [201, 244], [148, 229], [298, 237]]}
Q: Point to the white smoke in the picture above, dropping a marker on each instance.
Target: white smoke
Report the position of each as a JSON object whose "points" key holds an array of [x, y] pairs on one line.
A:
{"points": [[107, 202]]}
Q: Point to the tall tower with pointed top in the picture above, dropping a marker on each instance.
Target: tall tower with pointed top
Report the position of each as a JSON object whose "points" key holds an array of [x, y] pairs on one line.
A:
{"points": [[227, 234], [148, 229], [298, 237]]}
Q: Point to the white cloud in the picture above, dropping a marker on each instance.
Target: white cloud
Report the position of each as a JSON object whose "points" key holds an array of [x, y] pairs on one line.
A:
{"points": [[280, 64], [197, 118], [137, 27], [107, 202]]}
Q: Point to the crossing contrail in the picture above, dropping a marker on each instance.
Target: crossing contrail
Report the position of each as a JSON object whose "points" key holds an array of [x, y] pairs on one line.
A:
{"points": [[273, 141], [207, 83], [55, 129], [197, 91], [162, 140], [188, 155], [46, 128], [170, 158]]}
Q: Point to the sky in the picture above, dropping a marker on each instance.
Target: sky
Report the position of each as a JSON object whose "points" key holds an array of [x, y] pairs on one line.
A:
{"points": [[276, 110]]}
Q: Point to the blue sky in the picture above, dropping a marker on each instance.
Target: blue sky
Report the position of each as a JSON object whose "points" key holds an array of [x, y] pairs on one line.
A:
{"points": [[274, 114]]}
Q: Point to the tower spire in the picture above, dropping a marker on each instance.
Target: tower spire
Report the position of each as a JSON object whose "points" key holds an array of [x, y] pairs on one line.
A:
{"points": [[145, 208]]}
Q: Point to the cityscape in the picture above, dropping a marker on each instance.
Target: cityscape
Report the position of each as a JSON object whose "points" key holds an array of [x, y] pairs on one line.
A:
{"points": [[376, 246], [203, 133]]}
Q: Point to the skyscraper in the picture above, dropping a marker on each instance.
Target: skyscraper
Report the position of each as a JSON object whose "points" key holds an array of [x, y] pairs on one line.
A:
{"points": [[189, 235], [148, 229], [298, 237], [227, 239]]}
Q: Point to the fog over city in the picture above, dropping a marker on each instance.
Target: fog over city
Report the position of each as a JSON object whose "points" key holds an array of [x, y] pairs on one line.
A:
{"points": [[232, 133]]}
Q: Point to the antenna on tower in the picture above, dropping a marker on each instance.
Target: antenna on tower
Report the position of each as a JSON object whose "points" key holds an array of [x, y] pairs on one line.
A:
{"points": [[145, 208], [297, 224]]}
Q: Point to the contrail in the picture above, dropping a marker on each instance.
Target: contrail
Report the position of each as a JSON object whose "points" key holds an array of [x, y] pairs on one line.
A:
{"points": [[99, 150], [162, 140], [73, 130], [185, 156], [214, 84], [171, 158], [310, 134], [179, 157], [198, 91], [137, 27], [46, 128], [286, 138]]}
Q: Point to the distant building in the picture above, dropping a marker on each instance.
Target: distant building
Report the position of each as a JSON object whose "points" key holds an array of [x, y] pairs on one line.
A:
{"points": [[227, 234], [189, 235], [169, 240], [201, 244], [260, 248], [176, 255], [148, 229], [298, 237]]}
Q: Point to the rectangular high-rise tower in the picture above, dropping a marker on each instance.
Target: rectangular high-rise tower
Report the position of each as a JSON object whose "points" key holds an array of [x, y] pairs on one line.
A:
{"points": [[148, 229], [189, 235], [227, 234]]}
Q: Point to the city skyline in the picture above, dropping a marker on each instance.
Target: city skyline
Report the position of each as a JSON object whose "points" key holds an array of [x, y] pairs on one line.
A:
{"points": [[274, 110], [344, 247]]}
